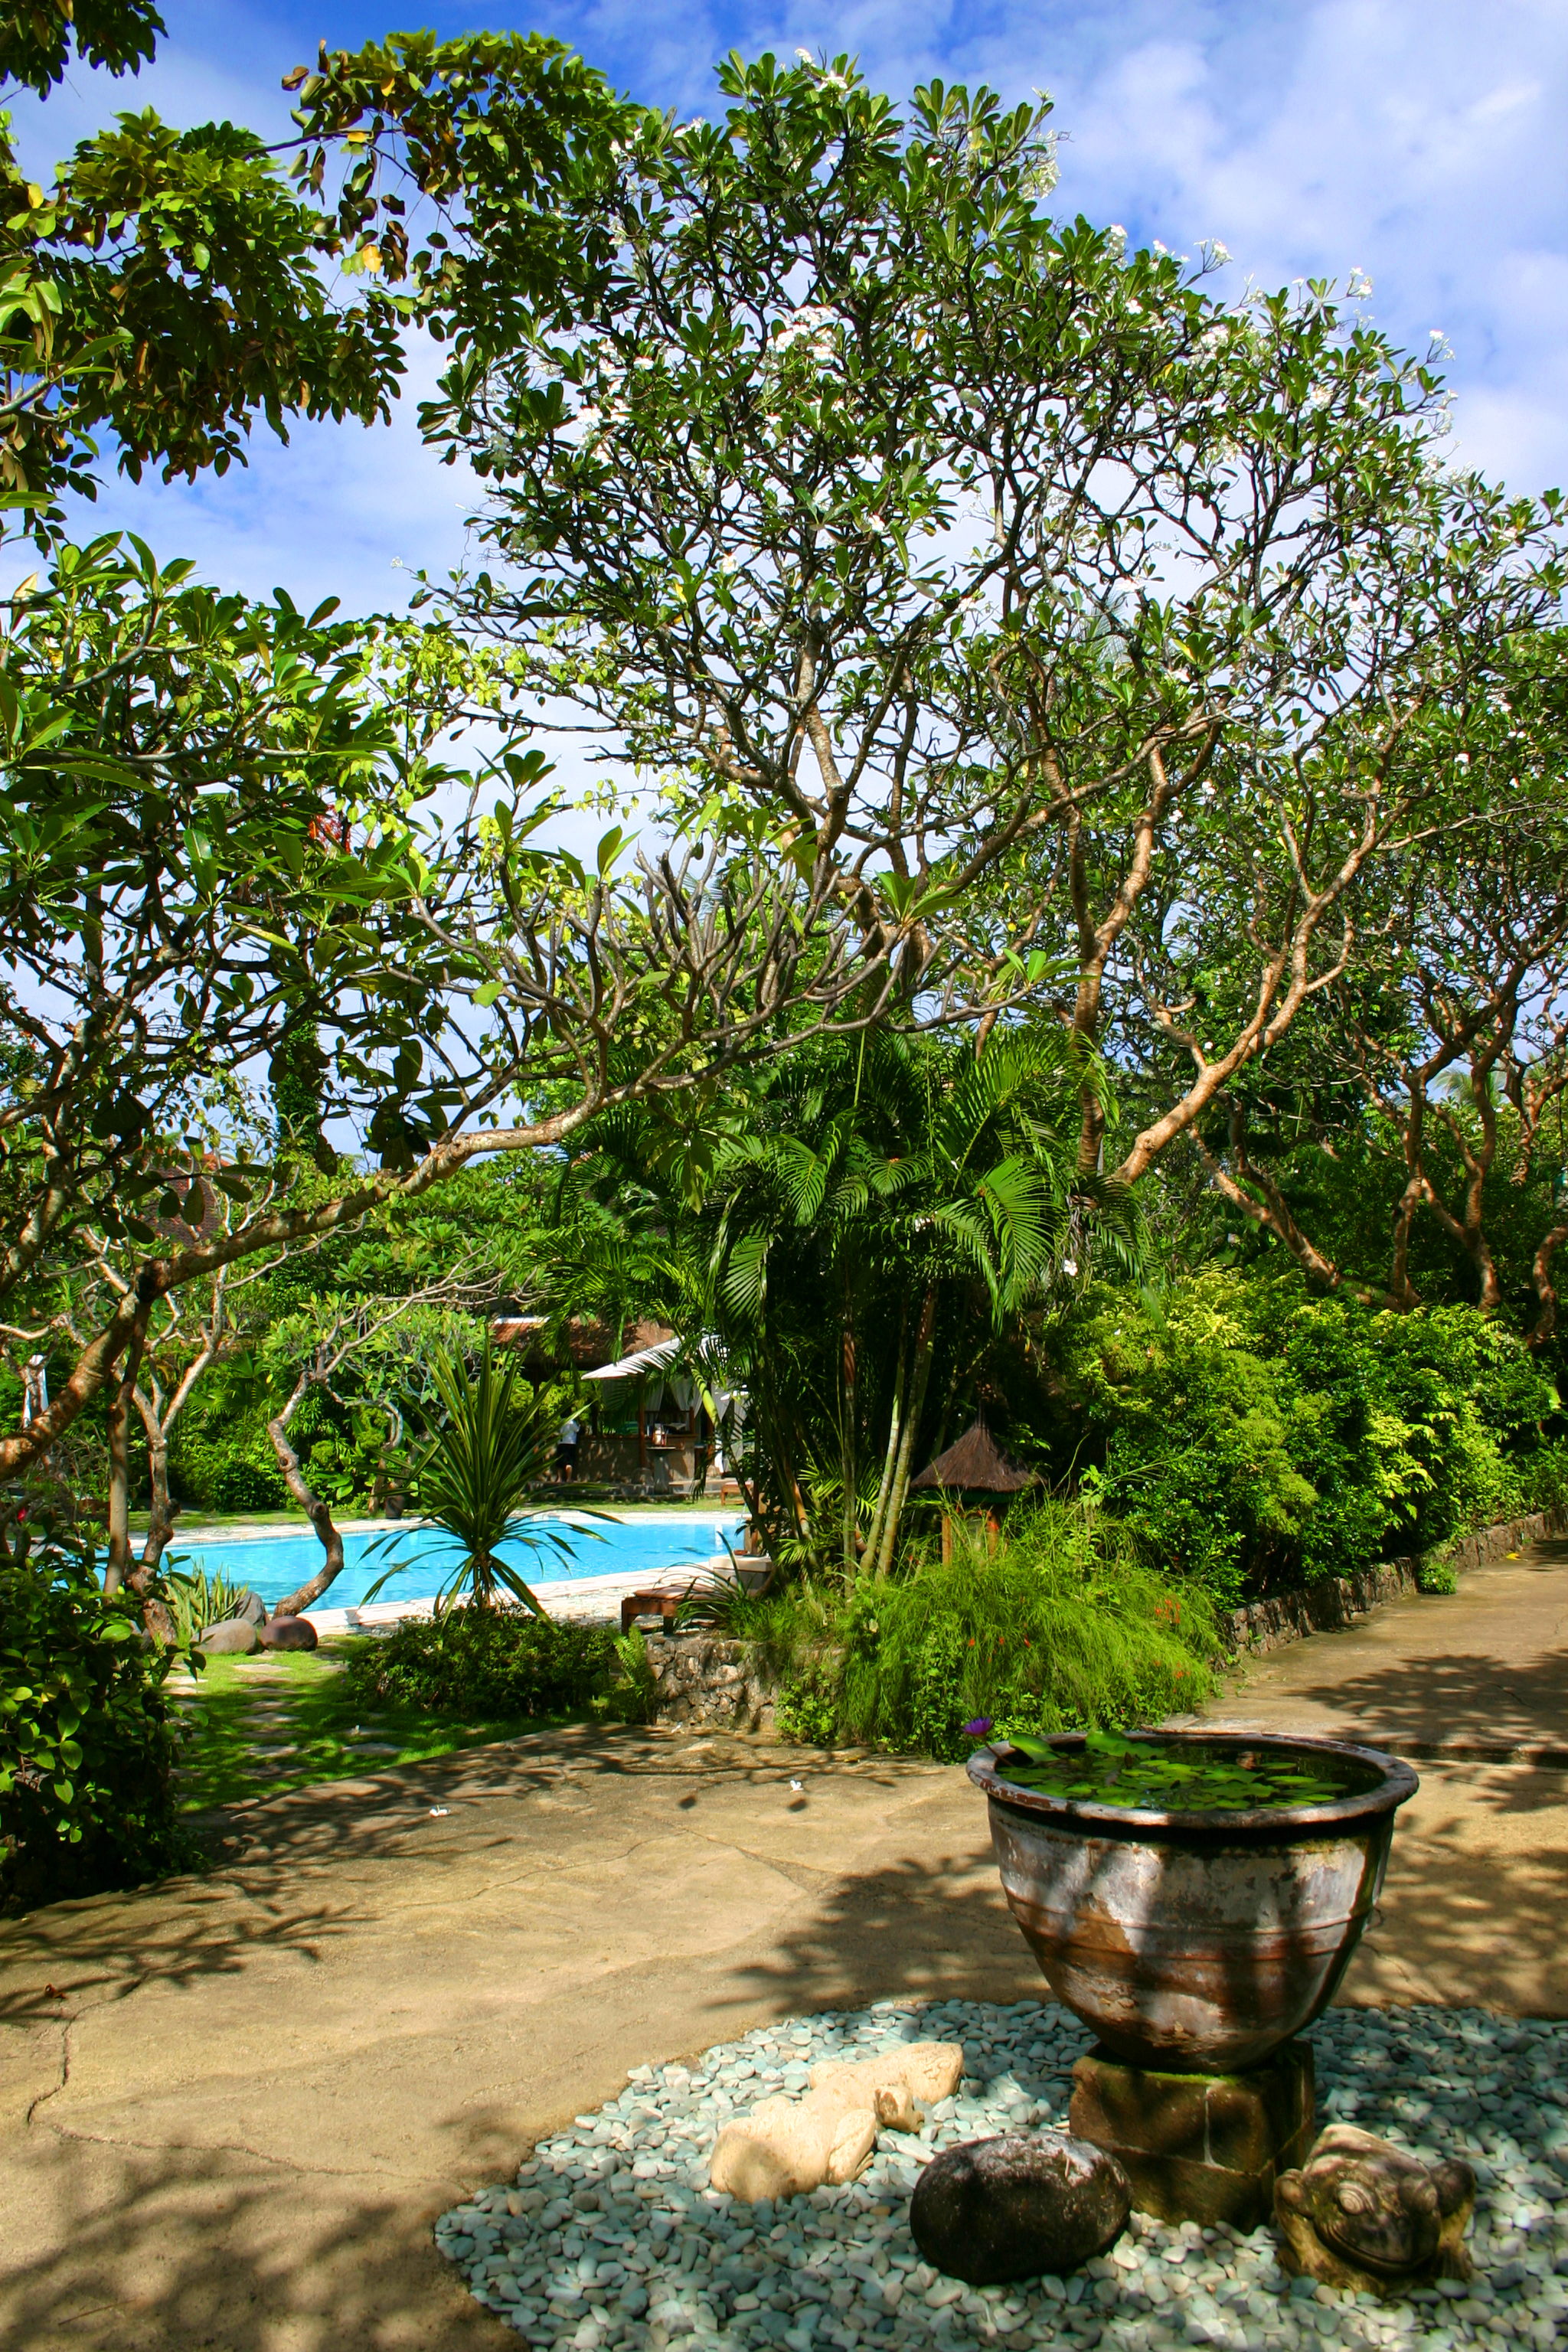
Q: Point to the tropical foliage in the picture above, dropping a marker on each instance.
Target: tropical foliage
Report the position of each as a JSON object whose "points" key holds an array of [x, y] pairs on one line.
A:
{"points": [[1100, 967], [196, 1601], [1249, 1434], [489, 1453], [1161, 719], [243, 847], [1057, 1628], [86, 1740], [495, 1663], [846, 1235]]}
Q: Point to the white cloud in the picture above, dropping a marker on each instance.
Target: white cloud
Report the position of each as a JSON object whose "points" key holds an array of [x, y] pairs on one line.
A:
{"points": [[1421, 145], [325, 516], [1424, 145]]}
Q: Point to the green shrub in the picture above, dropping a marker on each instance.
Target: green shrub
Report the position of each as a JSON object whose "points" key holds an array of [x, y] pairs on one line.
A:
{"points": [[87, 1743], [238, 1484], [471, 1662], [1437, 1576], [196, 1601], [1058, 1627], [1252, 1436], [636, 1694], [1543, 1477], [804, 1711]]}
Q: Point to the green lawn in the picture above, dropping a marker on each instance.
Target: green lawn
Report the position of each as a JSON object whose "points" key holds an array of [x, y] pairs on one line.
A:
{"points": [[262, 1725]]}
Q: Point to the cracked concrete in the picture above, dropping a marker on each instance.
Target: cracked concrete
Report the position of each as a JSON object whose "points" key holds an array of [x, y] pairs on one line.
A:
{"points": [[231, 2107], [278, 2074]]}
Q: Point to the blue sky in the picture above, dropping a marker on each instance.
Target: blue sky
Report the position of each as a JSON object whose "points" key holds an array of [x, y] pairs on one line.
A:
{"points": [[1421, 141]]}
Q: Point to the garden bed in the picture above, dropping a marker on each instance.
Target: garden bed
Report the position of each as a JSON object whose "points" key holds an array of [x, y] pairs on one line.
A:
{"points": [[609, 2236], [1335, 1600]]}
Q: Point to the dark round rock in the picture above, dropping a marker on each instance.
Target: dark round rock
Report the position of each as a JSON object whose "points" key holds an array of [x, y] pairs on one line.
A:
{"points": [[287, 1634], [1011, 2207]]}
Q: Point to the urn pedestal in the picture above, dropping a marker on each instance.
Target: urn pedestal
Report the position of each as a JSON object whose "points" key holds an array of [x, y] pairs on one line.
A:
{"points": [[1199, 2148], [1197, 1946]]}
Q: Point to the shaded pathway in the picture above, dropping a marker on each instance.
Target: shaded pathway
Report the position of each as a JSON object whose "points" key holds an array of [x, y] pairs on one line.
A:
{"points": [[1472, 1687], [229, 2109]]}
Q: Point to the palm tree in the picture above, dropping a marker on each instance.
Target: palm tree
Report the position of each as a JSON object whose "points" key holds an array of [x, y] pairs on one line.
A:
{"points": [[924, 1179], [863, 1216]]}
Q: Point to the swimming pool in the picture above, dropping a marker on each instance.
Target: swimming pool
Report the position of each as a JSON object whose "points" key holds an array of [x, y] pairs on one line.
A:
{"points": [[424, 1556]]}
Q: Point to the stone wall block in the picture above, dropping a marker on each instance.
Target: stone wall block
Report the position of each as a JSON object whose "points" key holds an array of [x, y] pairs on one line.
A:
{"points": [[1319, 1607], [704, 1683]]}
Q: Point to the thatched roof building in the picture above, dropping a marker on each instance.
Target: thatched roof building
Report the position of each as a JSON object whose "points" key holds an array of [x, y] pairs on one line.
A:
{"points": [[973, 1464]]}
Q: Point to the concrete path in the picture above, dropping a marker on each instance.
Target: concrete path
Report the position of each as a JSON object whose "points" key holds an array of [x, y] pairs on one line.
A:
{"points": [[229, 2108], [1473, 1688]]}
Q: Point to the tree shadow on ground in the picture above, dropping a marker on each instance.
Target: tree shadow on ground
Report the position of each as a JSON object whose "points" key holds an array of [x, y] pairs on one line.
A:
{"points": [[67, 1956], [185, 2249], [937, 1926], [1434, 1709], [185, 1929], [1462, 1925]]}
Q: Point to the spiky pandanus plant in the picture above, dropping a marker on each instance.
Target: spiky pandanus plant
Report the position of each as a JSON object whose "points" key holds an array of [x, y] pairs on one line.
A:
{"points": [[490, 1450]]}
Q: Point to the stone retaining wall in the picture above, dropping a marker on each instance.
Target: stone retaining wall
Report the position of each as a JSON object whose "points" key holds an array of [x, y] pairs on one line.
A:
{"points": [[710, 1685], [1317, 1608]]}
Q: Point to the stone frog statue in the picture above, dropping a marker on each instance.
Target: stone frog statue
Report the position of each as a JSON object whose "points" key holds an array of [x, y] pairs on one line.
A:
{"points": [[1361, 2213]]}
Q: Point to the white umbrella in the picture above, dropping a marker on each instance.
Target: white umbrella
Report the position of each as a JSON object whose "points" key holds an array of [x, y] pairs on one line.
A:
{"points": [[646, 1360]]}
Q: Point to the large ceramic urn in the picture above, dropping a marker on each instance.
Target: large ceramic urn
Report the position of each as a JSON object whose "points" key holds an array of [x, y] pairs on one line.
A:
{"points": [[1198, 1942]]}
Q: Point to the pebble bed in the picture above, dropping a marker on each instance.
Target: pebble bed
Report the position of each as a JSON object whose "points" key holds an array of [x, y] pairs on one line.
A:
{"points": [[610, 2236]]}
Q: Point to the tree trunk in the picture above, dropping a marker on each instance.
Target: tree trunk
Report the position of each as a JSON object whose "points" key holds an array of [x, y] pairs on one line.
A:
{"points": [[915, 1400], [160, 1513], [849, 1467], [116, 1566], [1545, 1323], [118, 1515], [890, 1456], [315, 1511], [1272, 1211]]}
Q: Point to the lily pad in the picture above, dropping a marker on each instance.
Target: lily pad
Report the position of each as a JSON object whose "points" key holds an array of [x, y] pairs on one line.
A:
{"points": [[1184, 1776]]}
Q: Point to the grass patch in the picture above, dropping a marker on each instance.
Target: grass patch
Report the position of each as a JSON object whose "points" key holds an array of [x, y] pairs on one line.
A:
{"points": [[260, 1727]]}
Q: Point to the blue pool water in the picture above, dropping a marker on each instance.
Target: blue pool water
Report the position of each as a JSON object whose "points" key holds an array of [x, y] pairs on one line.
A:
{"points": [[423, 1557]]}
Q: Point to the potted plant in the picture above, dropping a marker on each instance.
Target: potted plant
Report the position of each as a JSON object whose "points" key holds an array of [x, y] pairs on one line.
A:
{"points": [[1193, 1896]]}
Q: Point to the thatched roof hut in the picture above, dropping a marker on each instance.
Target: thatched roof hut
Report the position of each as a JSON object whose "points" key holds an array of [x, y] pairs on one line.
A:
{"points": [[973, 1464], [976, 1475]]}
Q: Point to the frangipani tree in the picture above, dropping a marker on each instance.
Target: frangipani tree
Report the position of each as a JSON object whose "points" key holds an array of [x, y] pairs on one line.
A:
{"points": [[933, 559], [252, 831], [234, 832], [1012, 575], [1436, 1066]]}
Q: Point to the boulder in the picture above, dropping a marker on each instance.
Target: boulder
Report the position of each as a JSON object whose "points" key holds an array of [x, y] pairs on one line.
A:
{"points": [[785, 2148], [1011, 2207], [287, 1633], [236, 1637], [250, 1608]]}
